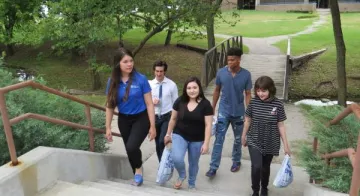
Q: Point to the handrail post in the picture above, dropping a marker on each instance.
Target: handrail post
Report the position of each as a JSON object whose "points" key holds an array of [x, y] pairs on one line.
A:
{"points": [[355, 180], [287, 72], [90, 131], [7, 129], [315, 147], [241, 43]]}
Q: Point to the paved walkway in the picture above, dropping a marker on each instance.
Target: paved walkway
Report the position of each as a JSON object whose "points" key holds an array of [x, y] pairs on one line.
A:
{"points": [[227, 182]]}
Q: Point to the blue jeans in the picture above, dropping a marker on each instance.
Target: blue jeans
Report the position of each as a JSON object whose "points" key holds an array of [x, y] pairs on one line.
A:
{"points": [[237, 124], [179, 148]]}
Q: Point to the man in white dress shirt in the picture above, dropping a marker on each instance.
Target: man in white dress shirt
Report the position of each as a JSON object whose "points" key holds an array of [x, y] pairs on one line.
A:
{"points": [[164, 92]]}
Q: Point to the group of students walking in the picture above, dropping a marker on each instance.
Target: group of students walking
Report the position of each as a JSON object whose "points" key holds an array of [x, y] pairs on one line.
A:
{"points": [[153, 109]]}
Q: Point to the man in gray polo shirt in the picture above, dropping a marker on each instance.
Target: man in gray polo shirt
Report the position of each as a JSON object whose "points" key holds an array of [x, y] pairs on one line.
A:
{"points": [[232, 81]]}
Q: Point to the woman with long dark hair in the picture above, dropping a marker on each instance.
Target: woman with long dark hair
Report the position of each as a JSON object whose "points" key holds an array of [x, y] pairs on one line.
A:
{"points": [[130, 92], [190, 123]]}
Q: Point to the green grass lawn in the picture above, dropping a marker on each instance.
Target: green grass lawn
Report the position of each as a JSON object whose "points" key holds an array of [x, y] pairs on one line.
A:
{"points": [[262, 23], [98, 99], [306, 81]]}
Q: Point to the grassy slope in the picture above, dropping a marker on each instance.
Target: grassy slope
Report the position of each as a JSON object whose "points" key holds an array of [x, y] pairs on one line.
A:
{"points": [[262, 23], [305, 82]]}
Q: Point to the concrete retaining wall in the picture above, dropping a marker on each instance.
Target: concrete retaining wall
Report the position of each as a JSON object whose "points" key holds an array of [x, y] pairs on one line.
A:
{"points": [[43, 166], [349, 7], [315, 190], [287, 7], [344, 7], [228, 5]]}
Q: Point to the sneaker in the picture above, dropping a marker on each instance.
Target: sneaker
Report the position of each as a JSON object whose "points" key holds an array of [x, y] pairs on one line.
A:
{"points": [[235, 166], [192, 188], [211, 173], [264, 192]]}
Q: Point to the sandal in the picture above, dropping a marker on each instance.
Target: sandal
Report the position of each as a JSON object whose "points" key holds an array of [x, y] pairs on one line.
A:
{"points": [[138, 178], [178, 183]]}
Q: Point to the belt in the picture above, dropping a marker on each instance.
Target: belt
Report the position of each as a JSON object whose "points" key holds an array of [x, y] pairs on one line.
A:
{"points": [[163, 116]]}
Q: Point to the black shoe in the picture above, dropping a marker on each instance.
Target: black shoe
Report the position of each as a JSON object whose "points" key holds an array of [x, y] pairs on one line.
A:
{"points": [[255, 194], [264, 192], [211, 173]]}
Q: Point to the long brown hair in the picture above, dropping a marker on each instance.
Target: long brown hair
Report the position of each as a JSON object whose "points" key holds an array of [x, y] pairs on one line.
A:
{"points": [[111, 100]]}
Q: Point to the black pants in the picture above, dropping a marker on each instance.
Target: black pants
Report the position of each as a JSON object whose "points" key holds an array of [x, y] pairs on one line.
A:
{"points": [[161, 123], [134, 129], [260, 169]]}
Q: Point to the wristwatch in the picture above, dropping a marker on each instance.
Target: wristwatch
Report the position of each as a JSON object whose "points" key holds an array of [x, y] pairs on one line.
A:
{"points": [[167, 135]]}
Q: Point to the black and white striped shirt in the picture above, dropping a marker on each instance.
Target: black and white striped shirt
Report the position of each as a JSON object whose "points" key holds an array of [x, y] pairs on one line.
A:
{"points": [[264, 131]]}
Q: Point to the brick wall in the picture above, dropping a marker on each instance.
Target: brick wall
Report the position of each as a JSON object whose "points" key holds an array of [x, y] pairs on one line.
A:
{"points": [[287, 7]]}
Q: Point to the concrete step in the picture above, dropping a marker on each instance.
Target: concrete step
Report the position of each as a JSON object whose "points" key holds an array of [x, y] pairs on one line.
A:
{"points": [[118, 188], [269, 65], [68, 189], [148, 188], [229, 183]]}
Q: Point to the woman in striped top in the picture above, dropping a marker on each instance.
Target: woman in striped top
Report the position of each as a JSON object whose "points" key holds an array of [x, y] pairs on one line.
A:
{"points": [[263, 128]]}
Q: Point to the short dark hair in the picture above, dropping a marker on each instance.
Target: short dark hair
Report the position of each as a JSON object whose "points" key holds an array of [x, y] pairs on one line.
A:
{"points": [[234, 52], [265, 83], [160, 63]]}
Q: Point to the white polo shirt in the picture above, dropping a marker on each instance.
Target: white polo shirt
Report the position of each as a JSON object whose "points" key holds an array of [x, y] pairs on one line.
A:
{"points": [[169, 95]]}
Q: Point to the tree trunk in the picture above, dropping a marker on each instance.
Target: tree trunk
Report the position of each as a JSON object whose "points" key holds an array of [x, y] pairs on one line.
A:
{"points": [[9, 28], [74, 54], [340, 52], [210, 20], [121, 42], [10, 50], [168, 37], [146, 38], [210, 31], [96, 82]]}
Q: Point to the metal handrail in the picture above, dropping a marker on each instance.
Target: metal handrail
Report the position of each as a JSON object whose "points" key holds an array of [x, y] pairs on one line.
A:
{"points": [[354, 156], [287, 72], [214, 60], [9, 122]]}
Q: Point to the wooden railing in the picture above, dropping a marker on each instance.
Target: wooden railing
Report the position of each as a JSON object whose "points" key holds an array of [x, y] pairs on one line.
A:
{"points": [[9, 122], [288, 70], [354, 156], [216, 58]]}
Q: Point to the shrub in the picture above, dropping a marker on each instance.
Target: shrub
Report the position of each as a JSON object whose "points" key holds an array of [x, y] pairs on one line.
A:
{"points": [[337, 175], [29, 134]]}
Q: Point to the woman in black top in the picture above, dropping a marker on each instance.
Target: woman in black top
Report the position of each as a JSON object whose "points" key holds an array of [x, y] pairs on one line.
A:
{"points": [[265, 116], [190, 123]]}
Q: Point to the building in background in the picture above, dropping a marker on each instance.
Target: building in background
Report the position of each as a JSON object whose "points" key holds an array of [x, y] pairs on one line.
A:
{"points": [[289, 5]]}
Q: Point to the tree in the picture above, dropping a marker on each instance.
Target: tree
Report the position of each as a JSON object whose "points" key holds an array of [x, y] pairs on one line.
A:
{"points": [[155, 19], [13, 12], [340, 52], [210, 20], [82, 27]]}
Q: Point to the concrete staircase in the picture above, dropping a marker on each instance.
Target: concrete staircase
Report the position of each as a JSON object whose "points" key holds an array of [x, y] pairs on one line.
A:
{"points": [[119, 187], [266, 65], [261, 65], [224, 184]]}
